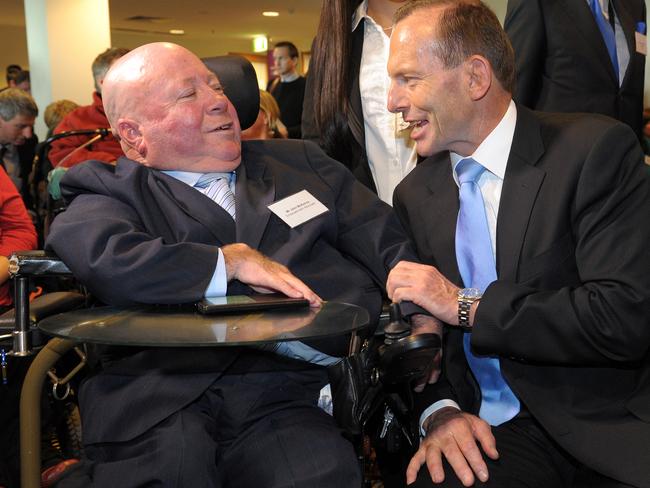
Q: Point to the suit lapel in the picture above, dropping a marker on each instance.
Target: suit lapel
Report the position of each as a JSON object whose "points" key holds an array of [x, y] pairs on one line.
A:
{"points": [[254, 191], [197, 207], [584, 22], [438, 212], [520, 187]]}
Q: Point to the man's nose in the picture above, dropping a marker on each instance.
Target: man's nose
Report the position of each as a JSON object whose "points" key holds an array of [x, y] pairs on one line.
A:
{"points": [[218, 102], [27, 132], [395, 98]]}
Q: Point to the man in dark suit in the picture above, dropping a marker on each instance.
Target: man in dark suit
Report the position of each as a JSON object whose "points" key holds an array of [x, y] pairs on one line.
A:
{"points": [[562, 58], [143, 232], [17, 140], [546, 371]]}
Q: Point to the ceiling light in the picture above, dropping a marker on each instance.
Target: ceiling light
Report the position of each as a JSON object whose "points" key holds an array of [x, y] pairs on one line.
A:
{"points": [[177, 32], [270, 14]]}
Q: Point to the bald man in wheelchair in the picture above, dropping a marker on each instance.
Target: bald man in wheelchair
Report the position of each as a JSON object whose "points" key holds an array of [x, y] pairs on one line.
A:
{"points": [[150, 230]]}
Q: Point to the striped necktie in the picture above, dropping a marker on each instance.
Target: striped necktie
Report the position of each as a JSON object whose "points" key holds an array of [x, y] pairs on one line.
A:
{"points": [[477, 268], [216, 186]]}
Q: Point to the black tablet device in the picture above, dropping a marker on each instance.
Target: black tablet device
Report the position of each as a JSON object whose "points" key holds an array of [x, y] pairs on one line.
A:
{"points": [[249, 303]]}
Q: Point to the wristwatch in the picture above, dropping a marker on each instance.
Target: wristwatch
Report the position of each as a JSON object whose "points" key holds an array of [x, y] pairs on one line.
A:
{"points": [[466, 296]]}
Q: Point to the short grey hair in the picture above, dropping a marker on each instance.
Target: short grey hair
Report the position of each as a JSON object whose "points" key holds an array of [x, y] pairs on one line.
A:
{"points": [[14, 101], [465, 28], [104, 61]]}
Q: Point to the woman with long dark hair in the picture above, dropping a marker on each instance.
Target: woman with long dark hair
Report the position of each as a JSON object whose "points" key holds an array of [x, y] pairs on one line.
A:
{"points": [[347, 87]]}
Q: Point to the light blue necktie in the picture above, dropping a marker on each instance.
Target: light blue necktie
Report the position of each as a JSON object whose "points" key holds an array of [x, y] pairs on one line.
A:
{"points": [[607, 31], [216, 186], [477, 268]]}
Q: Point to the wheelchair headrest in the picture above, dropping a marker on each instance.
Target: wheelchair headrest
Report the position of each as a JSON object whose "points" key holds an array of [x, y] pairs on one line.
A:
{"points": [[239, 82]]}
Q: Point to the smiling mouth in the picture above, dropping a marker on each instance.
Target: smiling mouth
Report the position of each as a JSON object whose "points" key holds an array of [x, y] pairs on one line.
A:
{"points": [[223, 127], [412, 124]]}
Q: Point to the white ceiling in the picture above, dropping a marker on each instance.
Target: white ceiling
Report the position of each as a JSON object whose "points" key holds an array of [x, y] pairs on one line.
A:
{"points": [[205, 20]]}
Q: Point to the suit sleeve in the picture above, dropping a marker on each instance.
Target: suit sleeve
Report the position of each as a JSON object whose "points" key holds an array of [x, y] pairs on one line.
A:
{"points": [[605, 317], [524, 24], [108, 247]]}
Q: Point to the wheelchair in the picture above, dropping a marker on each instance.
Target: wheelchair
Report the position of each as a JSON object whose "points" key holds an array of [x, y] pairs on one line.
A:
{"points": [[19, 340]]}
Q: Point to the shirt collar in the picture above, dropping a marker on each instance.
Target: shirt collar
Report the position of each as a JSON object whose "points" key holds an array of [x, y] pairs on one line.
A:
{"points": [[190, 178], [359, 14], [289, 78], [493, 152]]}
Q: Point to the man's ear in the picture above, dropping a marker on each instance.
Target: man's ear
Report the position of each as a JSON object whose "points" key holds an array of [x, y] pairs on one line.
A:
{"points": [[131, 139], [479, 71]]}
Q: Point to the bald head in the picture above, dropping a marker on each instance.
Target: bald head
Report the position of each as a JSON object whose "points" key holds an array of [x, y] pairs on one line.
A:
{"points": [[170, 112], [132, 73]]}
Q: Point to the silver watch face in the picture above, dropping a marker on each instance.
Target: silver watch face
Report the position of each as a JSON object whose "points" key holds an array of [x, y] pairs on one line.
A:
{"points": [[470, 293]]}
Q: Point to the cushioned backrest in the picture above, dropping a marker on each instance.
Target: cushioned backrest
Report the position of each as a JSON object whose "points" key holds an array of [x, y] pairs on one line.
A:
{"points": [[239, 82]]}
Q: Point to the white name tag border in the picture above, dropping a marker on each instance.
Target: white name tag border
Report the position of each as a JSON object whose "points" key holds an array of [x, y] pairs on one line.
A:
{"points": [[298, 208]]}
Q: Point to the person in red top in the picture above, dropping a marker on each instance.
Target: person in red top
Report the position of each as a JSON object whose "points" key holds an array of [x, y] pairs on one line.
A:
{"points": [[17, 232], [69, 151]]}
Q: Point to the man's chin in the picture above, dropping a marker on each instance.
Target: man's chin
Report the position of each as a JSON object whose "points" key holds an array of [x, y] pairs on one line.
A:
{"points": [[424, 150], [234, 164]]}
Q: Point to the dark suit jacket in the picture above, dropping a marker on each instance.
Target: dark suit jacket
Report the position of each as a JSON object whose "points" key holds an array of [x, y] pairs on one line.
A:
{"points": [[26, 153], [136, 235], [562, 62], [349, 140], [569, 315]]}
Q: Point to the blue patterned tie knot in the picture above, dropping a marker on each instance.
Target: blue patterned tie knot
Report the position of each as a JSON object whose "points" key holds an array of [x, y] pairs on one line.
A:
{"points": [[468, 171], [216, 186]]}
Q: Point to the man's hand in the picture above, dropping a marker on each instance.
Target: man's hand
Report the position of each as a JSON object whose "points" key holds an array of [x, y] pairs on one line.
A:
{"points": [[425, 324], [425, 286], [453, 434], [263, 274]]}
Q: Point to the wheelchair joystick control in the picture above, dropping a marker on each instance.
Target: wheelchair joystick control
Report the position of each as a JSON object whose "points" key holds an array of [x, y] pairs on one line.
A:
{"points": [[397, 328], [405, 359]]}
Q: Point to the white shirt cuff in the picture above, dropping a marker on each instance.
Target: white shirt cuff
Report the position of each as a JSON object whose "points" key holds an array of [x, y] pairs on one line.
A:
{"points": [[431, 409], [218, 285]]}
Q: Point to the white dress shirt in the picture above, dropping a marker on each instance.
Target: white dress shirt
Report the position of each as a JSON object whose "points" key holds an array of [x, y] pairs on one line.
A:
{"points": [[493, 155], [389, 147]]}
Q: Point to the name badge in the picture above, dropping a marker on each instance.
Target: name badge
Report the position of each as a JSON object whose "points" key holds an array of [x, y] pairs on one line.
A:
{"points": [[641, 43], [298, 208]]}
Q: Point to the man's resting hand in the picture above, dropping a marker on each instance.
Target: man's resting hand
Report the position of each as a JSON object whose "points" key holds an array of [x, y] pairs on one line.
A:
{"points": [[454, 434], [263, 274]]}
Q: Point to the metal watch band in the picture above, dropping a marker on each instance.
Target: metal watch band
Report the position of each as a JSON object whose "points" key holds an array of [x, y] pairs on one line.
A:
{"points": [[464, 306]]}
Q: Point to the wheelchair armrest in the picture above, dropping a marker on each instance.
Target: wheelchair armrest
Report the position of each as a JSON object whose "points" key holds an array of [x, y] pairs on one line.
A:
{"points": [[24, 265], [37, 263], [44, 306]]}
